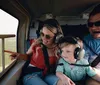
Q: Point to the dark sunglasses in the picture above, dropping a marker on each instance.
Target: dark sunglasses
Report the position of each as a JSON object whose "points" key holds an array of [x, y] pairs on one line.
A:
{"points": [[90, 24], [46, 36]]}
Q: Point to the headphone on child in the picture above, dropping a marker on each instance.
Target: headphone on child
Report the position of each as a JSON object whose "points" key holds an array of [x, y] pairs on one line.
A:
{"points": [[78, 52]]}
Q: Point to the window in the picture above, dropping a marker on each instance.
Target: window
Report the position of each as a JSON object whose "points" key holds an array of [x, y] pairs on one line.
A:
{"points": [[8, 33]]}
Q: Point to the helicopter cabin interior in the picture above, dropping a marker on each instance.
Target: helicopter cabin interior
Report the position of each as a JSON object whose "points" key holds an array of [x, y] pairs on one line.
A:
{"points": [[71, 14]]}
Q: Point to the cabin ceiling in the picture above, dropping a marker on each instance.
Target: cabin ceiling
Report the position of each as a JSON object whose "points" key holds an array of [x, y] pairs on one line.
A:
{"points": [[37, 8]]}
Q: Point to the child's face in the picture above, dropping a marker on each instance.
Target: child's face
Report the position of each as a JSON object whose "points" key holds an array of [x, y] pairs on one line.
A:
{"points": [[68, 52]]}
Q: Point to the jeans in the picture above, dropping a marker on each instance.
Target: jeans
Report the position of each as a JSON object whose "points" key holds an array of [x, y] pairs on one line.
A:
{"points": [[51, 79], [36, 78]]}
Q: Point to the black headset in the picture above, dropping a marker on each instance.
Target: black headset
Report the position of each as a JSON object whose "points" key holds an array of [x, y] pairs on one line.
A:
{"points": [[73, 40], [77, 49], [57, 36]]}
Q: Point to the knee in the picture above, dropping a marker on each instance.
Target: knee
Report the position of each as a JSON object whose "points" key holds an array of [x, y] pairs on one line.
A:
{"points": [[91, 81], [51, 79]]}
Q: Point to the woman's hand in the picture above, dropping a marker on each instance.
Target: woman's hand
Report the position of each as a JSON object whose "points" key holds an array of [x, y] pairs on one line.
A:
{"points": [[14, 56], [67, 81], [64, 80], [19, 56]]}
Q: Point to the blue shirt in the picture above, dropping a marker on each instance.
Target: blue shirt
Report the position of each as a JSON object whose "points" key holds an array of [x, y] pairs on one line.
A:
{"points": [[95, 46]]}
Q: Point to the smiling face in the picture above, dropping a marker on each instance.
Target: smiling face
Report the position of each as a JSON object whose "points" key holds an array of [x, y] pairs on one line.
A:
{"points": [[48, 36], [95, 30], [68, 52]]}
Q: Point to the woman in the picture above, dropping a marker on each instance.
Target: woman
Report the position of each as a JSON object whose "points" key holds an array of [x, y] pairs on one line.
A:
{"points": [[37, 72]]}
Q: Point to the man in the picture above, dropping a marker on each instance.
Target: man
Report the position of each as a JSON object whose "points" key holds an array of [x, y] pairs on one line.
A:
{"points": [[92, 41]]}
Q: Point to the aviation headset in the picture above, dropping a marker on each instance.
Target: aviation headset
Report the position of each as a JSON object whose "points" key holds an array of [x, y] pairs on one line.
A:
{"points": [[51, 23], [78, 52]]}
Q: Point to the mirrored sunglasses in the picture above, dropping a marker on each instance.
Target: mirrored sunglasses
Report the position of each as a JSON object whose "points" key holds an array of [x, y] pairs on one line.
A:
{"points": [[90, 24], [44, 35]]}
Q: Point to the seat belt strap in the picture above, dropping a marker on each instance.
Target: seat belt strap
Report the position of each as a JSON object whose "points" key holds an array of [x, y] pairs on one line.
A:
{"points": [[46, 56], [97, 59]]}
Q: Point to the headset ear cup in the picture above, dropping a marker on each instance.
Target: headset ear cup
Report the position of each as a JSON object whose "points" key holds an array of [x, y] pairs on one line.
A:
{"points": [[76, 52], [40, 31], [59, 52], [58, 37], [81, 54]]}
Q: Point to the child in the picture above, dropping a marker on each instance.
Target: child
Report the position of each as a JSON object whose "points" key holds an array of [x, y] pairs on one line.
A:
{"points": [[71, 66]]}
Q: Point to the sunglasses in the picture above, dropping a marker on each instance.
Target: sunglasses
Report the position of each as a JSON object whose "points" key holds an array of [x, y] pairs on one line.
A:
{"points": [[46, 36], [90, 24]]}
